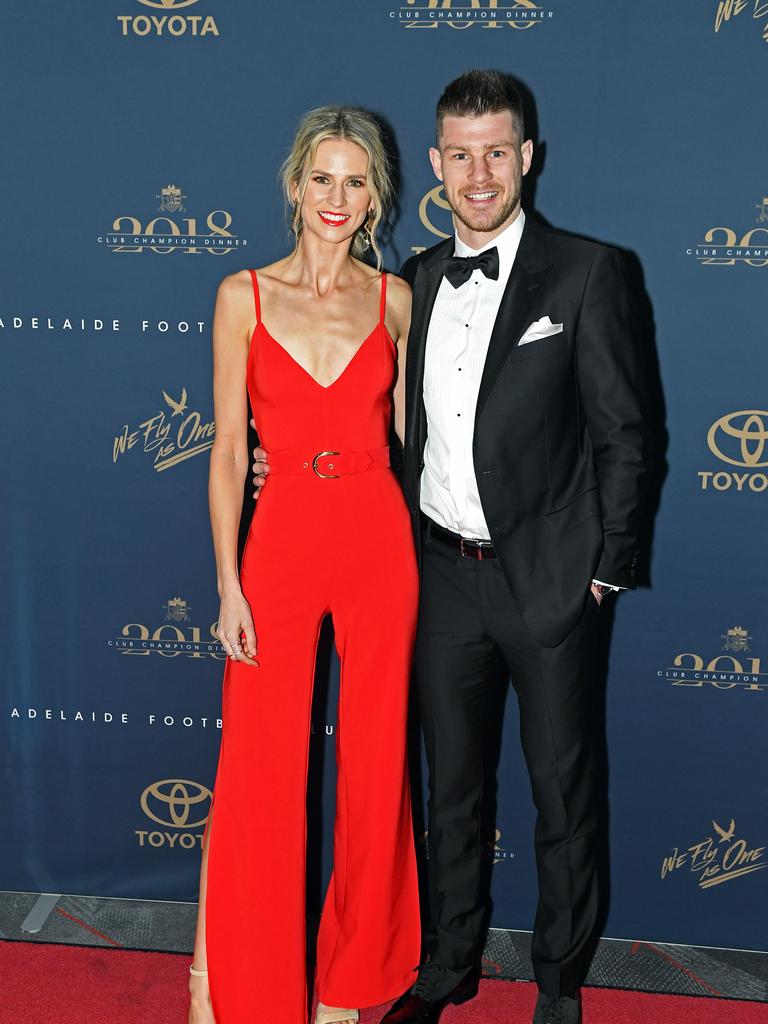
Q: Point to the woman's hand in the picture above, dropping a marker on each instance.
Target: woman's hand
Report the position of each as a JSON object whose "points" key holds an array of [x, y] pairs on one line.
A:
{"points": [[235, 628]]}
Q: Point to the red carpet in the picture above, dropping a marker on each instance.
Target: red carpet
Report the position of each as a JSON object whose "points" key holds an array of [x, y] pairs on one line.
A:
{"points": [[43, 984]]}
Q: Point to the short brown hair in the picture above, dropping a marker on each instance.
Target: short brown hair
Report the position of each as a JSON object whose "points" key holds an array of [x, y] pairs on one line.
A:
{"points": [[479, 92]]}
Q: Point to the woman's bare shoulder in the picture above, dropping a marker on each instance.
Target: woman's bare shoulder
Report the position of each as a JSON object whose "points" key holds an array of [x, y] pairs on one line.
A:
{"points": [[399, 297], [398, 306], [234, 288], [398, 288], [243, 280]]}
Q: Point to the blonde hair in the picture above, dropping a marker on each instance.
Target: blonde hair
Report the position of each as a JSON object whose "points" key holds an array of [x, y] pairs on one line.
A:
{"points": [[351, 125]]}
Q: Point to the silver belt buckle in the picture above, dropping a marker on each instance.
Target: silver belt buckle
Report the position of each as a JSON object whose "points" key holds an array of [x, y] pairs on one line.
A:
{"points": [[476, 551]]}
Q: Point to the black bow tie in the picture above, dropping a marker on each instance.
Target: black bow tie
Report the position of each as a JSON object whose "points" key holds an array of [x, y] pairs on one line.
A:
{"points": [[459, 269]]}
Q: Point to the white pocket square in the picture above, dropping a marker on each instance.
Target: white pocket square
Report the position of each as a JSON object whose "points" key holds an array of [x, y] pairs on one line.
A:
{"points": [[540, 329]]}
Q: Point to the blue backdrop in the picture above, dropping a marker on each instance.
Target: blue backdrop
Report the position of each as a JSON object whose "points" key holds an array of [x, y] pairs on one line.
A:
{"points": [[141, 141]]}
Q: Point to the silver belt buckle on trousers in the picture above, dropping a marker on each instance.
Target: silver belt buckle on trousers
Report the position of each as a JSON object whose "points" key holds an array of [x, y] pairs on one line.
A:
{"points": [[476, 551]]}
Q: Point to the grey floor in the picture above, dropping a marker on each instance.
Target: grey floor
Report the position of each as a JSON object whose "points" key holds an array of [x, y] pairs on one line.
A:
{"points": [[169, 927]]}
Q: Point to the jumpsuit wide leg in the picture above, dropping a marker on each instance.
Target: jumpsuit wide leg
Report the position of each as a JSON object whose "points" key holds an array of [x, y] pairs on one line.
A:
{"points": [[338, 545]]}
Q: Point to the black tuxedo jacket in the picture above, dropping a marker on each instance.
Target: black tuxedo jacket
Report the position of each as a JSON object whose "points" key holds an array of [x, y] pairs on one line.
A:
{"points": [[561, 443]]}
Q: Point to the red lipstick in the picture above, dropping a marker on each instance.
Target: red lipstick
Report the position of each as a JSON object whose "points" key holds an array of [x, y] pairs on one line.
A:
{"points": [[333, 220]]}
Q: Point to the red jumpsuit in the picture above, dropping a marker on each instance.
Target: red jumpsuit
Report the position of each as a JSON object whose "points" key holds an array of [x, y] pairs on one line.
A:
{"points": [[330, 534]]}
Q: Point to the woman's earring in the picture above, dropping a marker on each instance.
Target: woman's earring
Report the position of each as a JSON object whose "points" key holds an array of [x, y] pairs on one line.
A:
{"points": [[366, 231]]}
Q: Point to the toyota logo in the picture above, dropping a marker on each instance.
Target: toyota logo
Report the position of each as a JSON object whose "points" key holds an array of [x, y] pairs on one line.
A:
{"points": [[436, 196], [175, 803], [167, 5], [743, 435]]}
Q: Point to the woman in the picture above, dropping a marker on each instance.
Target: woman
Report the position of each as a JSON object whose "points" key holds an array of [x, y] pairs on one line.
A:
{"points": [[315, 340]]}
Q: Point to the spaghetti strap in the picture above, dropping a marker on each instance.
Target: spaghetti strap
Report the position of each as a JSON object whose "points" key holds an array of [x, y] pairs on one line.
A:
{"points": [[256, 300], [383, 307]]}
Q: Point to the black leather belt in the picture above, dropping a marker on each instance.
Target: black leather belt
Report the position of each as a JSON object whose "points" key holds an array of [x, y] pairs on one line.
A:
{"points": [[479, 549]]}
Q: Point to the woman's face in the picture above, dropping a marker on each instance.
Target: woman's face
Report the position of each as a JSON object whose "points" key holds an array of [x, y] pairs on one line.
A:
{"points": [[337, 199]]}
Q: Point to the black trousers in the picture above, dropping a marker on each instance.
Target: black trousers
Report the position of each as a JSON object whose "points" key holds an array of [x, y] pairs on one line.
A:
{"points": [[468, 623]]}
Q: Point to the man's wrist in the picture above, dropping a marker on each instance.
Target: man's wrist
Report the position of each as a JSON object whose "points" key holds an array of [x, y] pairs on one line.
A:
{"points": [[610, 586], [603, 588]]}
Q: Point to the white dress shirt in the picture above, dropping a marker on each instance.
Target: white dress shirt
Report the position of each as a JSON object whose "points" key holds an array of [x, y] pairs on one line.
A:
{"points": [[457, 344]]}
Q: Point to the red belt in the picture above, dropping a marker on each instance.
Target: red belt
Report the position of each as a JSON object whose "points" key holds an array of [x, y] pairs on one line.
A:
{"points": [[328, 465]]}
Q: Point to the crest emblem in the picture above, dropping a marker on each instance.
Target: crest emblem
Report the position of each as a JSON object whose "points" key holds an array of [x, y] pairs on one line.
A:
{"points": [[736, 639], [170, 199], [177, 610]]}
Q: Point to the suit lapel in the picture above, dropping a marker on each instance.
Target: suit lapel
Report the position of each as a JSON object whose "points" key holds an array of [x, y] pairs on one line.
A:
{"points": [[529, 270], [425, 287]]}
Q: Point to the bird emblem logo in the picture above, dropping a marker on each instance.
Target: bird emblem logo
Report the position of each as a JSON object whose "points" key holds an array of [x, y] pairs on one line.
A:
{"points": [[725, 836], [178, 407]]}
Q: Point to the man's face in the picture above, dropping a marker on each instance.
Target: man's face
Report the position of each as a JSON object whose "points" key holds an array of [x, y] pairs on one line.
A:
{"points": [[481, 163]]}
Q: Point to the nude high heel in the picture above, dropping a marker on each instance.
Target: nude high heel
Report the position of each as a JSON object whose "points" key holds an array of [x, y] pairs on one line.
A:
{"points": [[335, 1016]]}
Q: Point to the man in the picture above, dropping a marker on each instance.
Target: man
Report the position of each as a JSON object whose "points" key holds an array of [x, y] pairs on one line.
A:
{"points": [[524, 470]]}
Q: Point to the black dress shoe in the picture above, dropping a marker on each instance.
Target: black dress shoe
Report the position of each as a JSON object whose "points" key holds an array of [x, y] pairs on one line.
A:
{"points": [[436, 987], [558, 1009]]}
